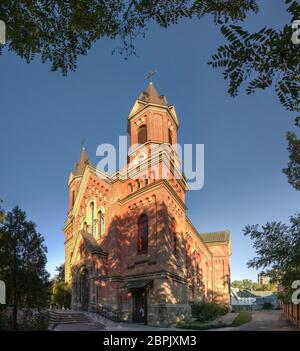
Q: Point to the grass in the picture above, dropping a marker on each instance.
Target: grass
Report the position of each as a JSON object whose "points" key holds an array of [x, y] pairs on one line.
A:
{"points": [[197, 325], [242, 318]]}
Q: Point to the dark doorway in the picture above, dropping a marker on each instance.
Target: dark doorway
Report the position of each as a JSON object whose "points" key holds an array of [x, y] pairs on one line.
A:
{"points": [[84, 289], [139, 312]]}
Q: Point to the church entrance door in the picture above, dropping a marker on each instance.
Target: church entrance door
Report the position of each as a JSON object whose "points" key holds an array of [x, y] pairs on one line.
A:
{"points": [[84, 287], [139, 312]]}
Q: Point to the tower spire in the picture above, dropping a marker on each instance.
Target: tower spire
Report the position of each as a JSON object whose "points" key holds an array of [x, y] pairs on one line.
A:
{"points": [[82, 163], [150, 95]]}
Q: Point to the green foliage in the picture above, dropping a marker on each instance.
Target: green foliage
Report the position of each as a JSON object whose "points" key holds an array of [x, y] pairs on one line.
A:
{"points": [[1, 212], [22, 262], [197, 325], [61, 295], [6, 321], [248, 284], [60, 276], [242, 318], [277, 248], [262, 59], [205, 311], [293, 169], [264, 287], [28, 321], [245, 284], [61, 31]]}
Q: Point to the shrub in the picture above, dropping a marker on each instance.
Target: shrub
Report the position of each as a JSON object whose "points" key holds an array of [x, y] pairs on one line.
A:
{"points": [[34, 321], [205, 311], [5, 321], [27, 320]]}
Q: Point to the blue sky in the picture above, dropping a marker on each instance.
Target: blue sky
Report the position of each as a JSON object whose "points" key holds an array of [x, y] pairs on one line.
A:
{"points": [[44, 117]]}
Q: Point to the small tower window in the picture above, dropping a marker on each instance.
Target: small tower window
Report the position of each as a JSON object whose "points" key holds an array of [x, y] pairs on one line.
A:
{"points": [[142, 240], [73, 197], [170, 137], [174, 236], [92, 218], [100, 224], [142, 134]]}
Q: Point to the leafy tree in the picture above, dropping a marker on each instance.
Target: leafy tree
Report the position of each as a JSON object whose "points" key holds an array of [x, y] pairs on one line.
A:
{"points": [[60, 31], [22, 263], [263, 59], [277, 247], [264, 287], [61, 294], [60, 276], [245, 284], [238, 284], [61, 291], [293, 169], [1, 212]]}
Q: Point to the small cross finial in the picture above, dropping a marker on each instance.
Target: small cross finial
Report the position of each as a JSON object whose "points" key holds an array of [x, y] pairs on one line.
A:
{"points": [[83, 140], [150, 75]]}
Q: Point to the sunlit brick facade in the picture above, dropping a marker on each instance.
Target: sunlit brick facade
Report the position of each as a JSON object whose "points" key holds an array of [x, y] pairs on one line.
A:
{"points": [[128, 240]]}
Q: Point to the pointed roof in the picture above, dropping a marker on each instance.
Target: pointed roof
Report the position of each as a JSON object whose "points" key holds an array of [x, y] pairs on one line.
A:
{"points": [[81, 164], [150, 95], [92, 244]]}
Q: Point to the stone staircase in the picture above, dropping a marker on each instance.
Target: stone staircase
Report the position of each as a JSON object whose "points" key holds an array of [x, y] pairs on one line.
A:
{"points": [[57, 317]]}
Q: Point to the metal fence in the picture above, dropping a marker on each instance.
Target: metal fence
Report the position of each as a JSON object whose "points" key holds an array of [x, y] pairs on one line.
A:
{"points": [[292, 313]]}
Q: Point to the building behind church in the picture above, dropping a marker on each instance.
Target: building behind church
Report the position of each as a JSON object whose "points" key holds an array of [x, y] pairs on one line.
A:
{"points": [[128, 241]]}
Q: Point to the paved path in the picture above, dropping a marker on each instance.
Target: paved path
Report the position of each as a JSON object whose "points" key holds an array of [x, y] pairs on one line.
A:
{"points": [[265, 320], [261, 321]]}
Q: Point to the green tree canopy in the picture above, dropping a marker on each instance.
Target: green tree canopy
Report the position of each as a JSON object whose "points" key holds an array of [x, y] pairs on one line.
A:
{"points": [[263, 59], [61, 31], [61, 294], [61, 291], [245, 284], [1, 212], [60, 276], [293, 169], [22, 262], [277, 248]]}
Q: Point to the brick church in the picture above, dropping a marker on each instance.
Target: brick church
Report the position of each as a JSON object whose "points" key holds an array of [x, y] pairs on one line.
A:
{"points": [[129, 244]]}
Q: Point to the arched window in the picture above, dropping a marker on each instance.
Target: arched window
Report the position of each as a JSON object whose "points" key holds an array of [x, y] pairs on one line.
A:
{"points": [[153, 176], [174, 235], [142, 134], [100, 223], [172, 163], [170, 137], [92, 208], [142, 240], [73, 197], [138, 184]]}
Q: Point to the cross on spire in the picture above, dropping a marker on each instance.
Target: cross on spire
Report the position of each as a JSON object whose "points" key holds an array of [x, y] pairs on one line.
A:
{"points": [[150, 75]]}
